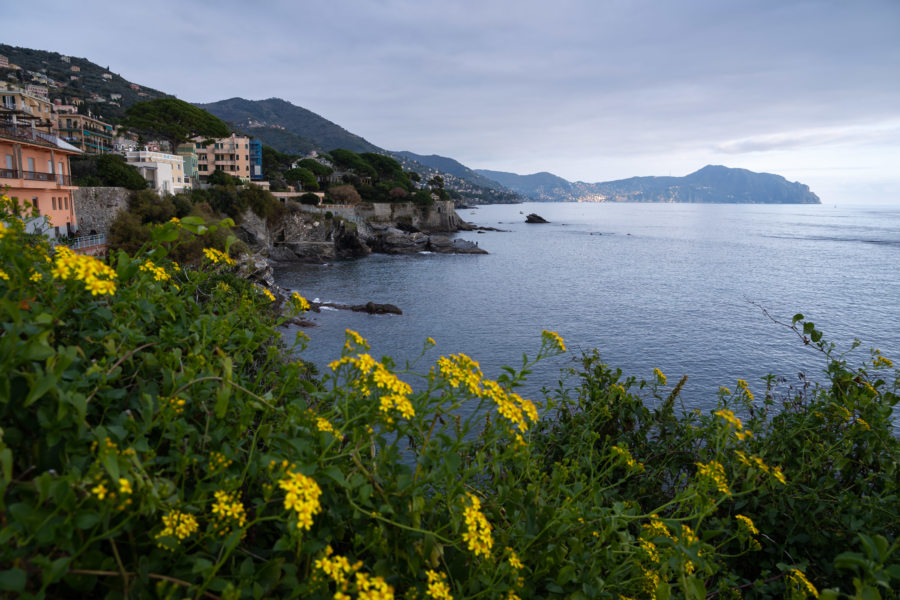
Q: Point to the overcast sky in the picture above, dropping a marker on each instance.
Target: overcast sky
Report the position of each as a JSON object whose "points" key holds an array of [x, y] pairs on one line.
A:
{"points": [[590, 90]]}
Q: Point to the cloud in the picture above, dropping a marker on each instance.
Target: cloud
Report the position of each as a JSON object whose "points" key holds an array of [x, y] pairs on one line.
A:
{"points": [[874, 133]]}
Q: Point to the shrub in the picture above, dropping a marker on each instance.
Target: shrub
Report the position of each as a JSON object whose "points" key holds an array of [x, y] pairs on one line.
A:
{"points": [[159, 440]]}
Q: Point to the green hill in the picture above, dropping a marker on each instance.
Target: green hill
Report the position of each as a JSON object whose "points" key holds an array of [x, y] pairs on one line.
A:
{"points": [[77, 79]]}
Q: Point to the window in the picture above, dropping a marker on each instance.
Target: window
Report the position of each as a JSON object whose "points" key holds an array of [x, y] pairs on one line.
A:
{"points": [[53, 202], [49, 166], [9, 162], [67, 203], [31, 164]]}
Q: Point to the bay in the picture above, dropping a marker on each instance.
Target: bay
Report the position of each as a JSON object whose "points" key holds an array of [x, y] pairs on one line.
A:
{"points": [[673, 286]]}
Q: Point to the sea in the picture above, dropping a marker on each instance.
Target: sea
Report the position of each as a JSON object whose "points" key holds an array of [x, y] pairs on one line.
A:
{"points": [[703, 290]]}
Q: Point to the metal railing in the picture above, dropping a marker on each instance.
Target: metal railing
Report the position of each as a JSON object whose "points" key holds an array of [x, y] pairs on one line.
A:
{"points": [[57, 178], [87, 241]]}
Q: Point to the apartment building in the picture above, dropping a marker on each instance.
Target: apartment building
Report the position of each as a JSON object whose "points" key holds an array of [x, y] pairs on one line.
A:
{"points": [[191, 162], [18, 107], [231, 155], [164, 172], [34, 165], [89, 135]]}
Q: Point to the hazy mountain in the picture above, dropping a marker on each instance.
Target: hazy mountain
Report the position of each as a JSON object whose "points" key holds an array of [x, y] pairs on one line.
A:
{"points": [[451, 166], [538, 186], [710, 184], [274, 113]]}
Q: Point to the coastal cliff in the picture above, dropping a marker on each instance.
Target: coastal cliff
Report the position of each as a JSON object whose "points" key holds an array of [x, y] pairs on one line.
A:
{"points": [[319, 234]]}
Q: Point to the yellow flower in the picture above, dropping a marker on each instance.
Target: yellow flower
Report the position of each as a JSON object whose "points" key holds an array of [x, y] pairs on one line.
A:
{"points": [[715, 473], [100, 491], [3, 274], [553, 339], [881, 361], [514, 561], [437, 586], [478, 530], [373, 588], [217, 256], [299, 303], [802, 584], [228, 508], [36, 276], [302, 497], [659, 376], [742, 385], [746, 523], [178, 524], [124, 486], [267, 294], [159, 273]]}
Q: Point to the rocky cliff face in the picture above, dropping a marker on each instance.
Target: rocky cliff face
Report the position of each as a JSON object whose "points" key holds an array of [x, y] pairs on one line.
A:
{"points": [[312, 235]]}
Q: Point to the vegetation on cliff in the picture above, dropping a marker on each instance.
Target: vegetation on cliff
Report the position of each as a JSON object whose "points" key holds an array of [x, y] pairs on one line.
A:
{"points": [[160, 439]]}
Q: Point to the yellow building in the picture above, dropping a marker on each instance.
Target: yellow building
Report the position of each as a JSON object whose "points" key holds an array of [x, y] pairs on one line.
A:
{"points": [[18, 106], [90, 135], [231, 155]]}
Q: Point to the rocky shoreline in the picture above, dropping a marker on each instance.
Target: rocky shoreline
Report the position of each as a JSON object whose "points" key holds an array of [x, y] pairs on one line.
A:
{"points": [[321, 237]]}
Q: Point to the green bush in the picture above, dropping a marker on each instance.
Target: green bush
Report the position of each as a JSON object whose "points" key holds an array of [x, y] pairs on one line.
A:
{"points": [[159, 440]]}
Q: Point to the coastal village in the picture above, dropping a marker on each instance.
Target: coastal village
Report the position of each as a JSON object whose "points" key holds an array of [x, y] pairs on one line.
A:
{"points": [[40, 137]]}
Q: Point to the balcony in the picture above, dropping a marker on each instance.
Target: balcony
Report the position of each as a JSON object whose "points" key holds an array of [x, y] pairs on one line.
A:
{"points": [[36, 176]]}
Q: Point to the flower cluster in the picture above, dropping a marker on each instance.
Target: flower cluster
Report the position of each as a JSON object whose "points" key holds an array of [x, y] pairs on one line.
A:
{"points": [[176, 404], [325, 425], [217, 256], [302, 497], [798, 581], [98, 278], [553, 339], [177, 524], [218, 461], [228, 510], [756, 462], [514, 561], [478, 531], [372, 587], [656, 528], [338, 569], [461, 371], [624, 454], [714, 472], [734, 423], [299, 304], [159, 273], [397, 396], [742, 385], [660, 378], [266, 292], [438, 589]]}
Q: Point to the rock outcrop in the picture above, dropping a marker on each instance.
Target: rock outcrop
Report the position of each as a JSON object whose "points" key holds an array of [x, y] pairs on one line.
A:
{"points": [[535, 218]]}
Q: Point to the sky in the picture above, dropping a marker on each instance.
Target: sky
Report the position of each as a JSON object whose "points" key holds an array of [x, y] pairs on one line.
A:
{"points": [[590, 90]]}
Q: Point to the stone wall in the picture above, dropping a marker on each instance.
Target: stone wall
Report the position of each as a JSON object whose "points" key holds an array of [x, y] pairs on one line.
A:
{"points": [[97, 207], [441, 216]]}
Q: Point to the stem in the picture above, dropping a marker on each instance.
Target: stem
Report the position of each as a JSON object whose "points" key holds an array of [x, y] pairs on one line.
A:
{"points": [[180, 582]]}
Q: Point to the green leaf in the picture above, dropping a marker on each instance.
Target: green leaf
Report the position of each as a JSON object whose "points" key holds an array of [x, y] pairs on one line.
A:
{"points": [[201, 565], [12, 580], [86, 520], [797, 317], [111, 463]]}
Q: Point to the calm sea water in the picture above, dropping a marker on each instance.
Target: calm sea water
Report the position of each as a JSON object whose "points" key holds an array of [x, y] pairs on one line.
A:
{"points": [[671, 286]]}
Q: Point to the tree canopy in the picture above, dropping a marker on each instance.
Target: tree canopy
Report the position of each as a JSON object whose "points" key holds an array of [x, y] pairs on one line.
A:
{"points": [[174, 120]]}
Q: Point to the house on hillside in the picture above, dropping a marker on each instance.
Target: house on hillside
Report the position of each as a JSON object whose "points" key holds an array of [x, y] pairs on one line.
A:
{"points": [[231, 155], [34, 166], [164, 172], [89, 135]]}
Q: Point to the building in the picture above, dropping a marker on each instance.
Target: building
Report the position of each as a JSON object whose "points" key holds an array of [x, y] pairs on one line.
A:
{"points": [[164, 172], [256, 172], [90, 135], [231, 155], [35, 167], [18, 107], [186, 152], [41, 91], [4, 62]]}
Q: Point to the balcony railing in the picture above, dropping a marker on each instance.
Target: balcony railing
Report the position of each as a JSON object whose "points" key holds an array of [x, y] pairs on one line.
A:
{"points": [[59, 179], [87, 241]]}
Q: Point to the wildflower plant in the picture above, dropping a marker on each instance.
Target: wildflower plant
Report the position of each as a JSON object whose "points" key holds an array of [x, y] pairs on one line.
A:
{"points": [[159, 437]]}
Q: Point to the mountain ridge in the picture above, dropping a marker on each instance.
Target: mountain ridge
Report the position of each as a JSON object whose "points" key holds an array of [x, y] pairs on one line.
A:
{"points": [[710, 184]]}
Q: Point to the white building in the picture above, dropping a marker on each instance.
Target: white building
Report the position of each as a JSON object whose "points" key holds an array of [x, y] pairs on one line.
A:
{"points": [[164, 172]]}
